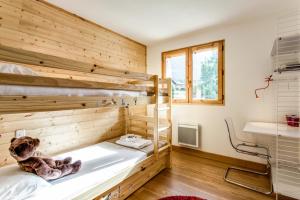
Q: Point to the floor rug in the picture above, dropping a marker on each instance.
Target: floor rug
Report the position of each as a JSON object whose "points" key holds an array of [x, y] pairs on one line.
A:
{"points": [[181, 198]]}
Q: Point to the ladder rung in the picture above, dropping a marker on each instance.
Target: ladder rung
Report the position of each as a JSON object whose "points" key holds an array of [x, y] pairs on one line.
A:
{"points": [[164, 108], [163, 81], [160, 129], [163, 128]]}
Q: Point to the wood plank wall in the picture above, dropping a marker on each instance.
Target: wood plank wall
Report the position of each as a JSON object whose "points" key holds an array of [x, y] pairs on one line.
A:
{"points": [[38, 26], [61, 131]]}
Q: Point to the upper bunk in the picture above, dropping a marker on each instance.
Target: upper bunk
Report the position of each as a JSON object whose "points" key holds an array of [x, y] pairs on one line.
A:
{"points": [[30, 92]]}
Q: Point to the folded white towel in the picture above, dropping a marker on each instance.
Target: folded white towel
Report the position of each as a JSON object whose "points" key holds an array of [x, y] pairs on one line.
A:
{"points": [[134, 141], [130, 137]]}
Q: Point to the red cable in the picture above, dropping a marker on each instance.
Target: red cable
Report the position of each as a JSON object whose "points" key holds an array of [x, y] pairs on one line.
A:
{"points": [[268, 80]]}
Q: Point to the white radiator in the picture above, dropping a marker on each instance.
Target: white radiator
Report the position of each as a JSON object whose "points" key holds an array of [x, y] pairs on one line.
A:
{"points": [[188, 135]]}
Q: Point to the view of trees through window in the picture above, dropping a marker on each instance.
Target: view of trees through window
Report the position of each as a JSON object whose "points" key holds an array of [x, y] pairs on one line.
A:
{"points": [[205, 74], [196, 72]]}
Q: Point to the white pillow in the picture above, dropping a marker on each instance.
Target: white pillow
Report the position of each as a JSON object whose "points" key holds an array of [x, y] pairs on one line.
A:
{"points": [[16, 184]]}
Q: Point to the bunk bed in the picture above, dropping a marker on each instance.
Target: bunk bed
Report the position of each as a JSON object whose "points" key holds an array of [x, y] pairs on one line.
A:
{"points": [[126, 169]]}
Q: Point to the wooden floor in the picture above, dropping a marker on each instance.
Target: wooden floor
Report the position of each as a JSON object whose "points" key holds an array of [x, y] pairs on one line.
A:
{"points": [[200, 177]]}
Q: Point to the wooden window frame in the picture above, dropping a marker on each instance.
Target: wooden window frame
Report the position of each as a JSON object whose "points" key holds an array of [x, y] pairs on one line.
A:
{"points": [[188, 51], [178, 52]]}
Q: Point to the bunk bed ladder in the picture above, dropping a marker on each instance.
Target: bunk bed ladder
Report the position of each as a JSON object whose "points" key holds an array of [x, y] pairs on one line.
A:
{"points": [[157, 109], [160, 127]]}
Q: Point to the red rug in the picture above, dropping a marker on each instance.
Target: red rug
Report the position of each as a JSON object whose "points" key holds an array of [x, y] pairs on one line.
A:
{"points": [[181, 198]]}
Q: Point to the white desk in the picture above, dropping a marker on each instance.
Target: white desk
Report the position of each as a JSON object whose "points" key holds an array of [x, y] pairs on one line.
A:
{"points": [[282, 185], [272, 129]]}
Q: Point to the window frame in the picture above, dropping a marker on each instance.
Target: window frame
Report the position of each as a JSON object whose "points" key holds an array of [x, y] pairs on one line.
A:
{"points": [[172, 53], [189, 72]]}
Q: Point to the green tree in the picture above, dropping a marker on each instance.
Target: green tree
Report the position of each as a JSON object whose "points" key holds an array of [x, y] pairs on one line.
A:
{"points": [[207, 83]]}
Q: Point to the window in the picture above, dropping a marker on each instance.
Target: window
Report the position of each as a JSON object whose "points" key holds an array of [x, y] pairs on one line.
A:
{"points": [[197, 73], [176, 68]]}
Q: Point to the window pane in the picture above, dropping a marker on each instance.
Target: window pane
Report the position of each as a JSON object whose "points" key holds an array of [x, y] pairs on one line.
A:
{"points": [[175, 69], [205, 74]]}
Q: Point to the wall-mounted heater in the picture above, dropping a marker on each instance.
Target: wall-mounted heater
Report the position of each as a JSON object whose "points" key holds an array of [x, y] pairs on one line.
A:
{"points": [[188, 135]]}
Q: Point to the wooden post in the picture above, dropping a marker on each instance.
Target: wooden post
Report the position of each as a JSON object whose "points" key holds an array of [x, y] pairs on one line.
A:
{"points": [[156, 116], [169, 116]]}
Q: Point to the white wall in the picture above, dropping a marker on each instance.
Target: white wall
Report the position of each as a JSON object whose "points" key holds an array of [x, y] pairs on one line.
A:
{"points": [[247, 63]]}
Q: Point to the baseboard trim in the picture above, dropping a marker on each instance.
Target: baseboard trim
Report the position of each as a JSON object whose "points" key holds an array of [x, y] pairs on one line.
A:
{"points": [[221, 158], [282, 197]]}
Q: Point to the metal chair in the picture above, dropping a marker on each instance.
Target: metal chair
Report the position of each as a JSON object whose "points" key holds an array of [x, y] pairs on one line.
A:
{"points": [[239, 148]]}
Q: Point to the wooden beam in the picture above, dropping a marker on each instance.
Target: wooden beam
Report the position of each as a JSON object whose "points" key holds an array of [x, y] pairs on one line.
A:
{"points": [[148, 119], [22, 104], [26, 80], [22, 56], [141, 82]]}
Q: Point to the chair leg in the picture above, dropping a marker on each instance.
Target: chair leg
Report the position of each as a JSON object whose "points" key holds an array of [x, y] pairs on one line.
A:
{"points": [[267, 173]]}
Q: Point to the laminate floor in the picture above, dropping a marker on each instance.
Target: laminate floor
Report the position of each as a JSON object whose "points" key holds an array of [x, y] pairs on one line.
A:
{"points": [[192, 175]]}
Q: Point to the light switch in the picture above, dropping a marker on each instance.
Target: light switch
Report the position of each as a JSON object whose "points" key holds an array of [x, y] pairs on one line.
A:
{"points": [[20, 133]]}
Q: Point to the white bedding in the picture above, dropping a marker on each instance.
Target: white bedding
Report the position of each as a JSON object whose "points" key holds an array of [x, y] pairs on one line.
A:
{"points": [[100, 163], [16, 184], [16, 69], [53, 91]]}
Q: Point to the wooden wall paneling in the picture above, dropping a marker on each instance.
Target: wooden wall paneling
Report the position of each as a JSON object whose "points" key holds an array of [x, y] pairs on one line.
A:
{"points": [[55, 43], [99, 30], [142, 126], [37, 115], [47, 120], [36, 16], [87, 47], [61, 130], [56, 32]]}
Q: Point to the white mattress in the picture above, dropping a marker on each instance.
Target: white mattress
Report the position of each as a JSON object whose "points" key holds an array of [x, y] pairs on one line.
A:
{"points": [[52, 91], [16, 90], [100, 163]]}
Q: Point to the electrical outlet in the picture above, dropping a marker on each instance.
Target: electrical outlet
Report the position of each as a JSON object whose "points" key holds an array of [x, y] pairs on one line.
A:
{"points": [[20, 133]]}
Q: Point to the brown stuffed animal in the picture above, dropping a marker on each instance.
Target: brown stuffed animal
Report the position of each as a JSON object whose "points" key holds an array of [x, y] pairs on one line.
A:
{"points": [[23, 149]]}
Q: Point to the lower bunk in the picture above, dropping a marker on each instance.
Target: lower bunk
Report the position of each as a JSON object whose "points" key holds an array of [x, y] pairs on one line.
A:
{"points": [[108, 171]]}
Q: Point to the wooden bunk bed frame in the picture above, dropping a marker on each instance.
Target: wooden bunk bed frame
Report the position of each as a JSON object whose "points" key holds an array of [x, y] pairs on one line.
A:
{"points": [[158, 98]]}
